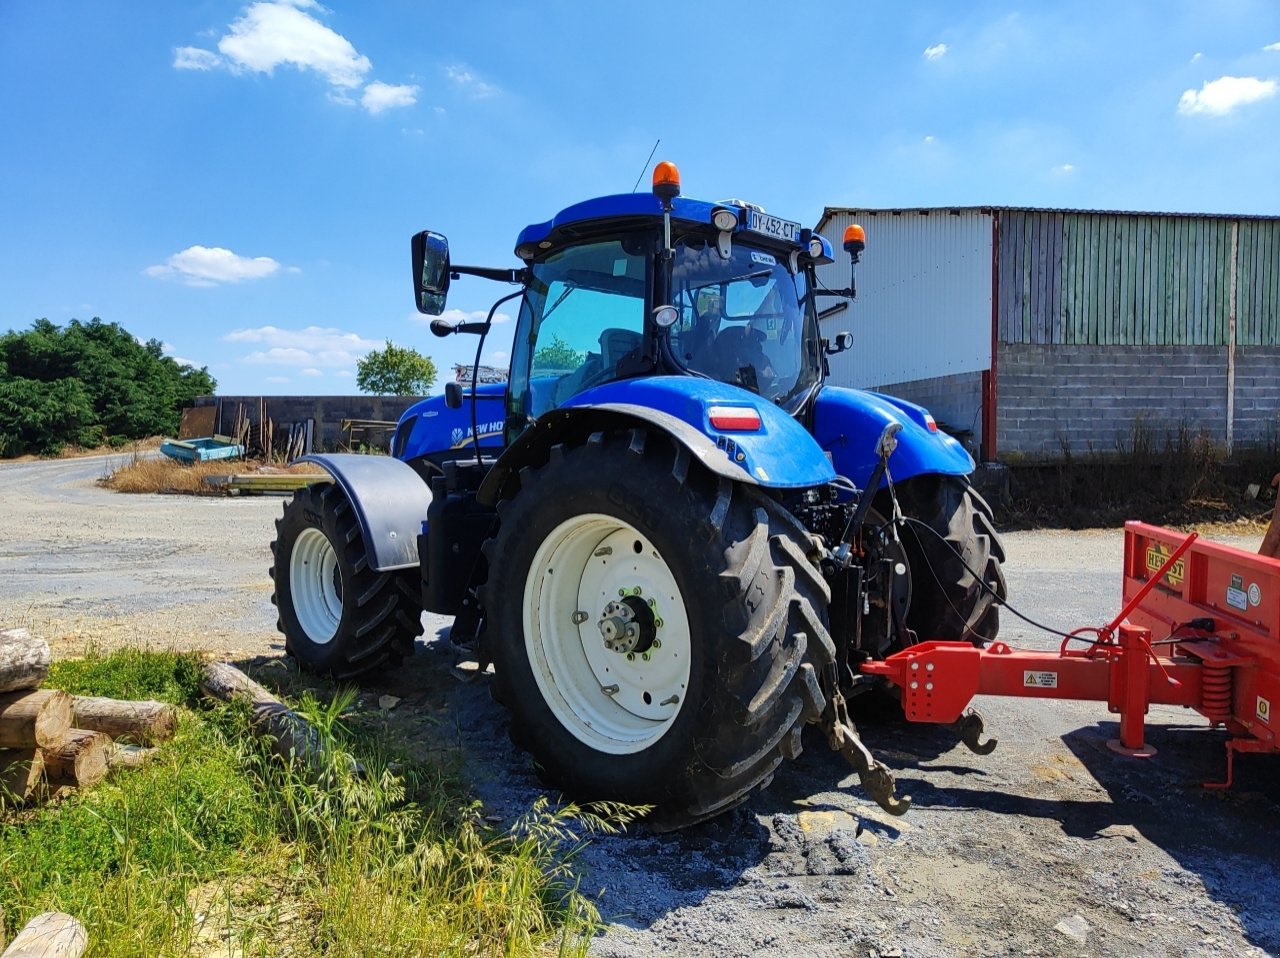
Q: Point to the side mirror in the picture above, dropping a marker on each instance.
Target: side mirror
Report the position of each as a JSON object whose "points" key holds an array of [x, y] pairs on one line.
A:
{"points": [[453, 394], [430, 272]]}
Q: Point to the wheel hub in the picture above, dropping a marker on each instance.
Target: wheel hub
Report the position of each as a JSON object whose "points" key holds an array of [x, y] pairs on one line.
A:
{"points": [[629, 626]]}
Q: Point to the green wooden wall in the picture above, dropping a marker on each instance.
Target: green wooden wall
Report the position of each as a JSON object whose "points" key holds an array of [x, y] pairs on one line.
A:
{"points": [[1140, 279]]}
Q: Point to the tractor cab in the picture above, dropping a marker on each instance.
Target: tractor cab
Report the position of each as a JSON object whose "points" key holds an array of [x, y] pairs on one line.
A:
{"points": [[650, 285]]}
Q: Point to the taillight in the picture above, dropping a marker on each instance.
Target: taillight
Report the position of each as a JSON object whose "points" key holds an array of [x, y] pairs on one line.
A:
{"points": [[734, 418]]}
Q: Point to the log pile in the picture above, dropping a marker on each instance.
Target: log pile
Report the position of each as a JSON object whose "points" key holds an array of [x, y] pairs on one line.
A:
{"points": [[51, 741]]}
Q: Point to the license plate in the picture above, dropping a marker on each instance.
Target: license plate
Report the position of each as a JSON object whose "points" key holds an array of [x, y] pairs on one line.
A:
{"points": [[759, 222]]}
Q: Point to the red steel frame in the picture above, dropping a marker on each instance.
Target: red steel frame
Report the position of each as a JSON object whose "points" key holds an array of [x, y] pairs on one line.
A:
{"points": [[1200, 628]]}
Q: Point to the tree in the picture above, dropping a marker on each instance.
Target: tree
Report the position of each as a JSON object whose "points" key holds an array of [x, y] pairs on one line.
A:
{"points": [[558, 355], [86, 383], [395, 371]]}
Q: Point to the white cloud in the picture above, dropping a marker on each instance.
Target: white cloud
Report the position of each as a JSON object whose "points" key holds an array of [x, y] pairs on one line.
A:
{"points": [[344, 374], [462, 77], [209, 266], [379, 96], [1272, 47], [501, 356], [310, 371], [935, 52], [313, 347], [461, 316], [277, 379], [1219, 97], [270, 34], [1196, 57], [1063, 169], [168, 350], [193, 58], [930, 139]]}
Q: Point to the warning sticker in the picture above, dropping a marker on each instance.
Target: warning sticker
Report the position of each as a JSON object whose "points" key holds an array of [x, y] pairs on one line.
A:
{"points": [[1237, 598], [1158, 555], [1264, 710], [1040, 680], [1255, 595]]}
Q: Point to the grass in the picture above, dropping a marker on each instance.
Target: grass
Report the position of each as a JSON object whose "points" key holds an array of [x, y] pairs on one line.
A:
{"points": [[161, 474], [1179, 477], [218, 847]]}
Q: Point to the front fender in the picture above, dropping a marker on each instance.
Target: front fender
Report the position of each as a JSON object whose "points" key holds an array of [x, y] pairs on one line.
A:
{"points": [[780, 454], [390, 502], [847, 423]]}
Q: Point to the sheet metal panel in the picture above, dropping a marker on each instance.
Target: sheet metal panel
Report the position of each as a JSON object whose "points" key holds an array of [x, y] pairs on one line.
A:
{"points": [[924, 295]]}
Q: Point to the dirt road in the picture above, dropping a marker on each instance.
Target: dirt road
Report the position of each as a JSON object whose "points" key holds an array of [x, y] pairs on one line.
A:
{"points": [[1050, 846]]}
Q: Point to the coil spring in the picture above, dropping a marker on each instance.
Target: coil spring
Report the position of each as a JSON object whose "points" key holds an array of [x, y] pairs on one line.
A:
{"points": [[1215, 692]]}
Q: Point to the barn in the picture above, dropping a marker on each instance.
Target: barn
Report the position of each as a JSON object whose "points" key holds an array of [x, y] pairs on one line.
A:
{"points": [[1035, 332]]}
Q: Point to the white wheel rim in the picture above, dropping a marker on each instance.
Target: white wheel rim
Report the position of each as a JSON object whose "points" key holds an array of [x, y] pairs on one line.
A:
{"points": [[608, 700], [313, 586]]}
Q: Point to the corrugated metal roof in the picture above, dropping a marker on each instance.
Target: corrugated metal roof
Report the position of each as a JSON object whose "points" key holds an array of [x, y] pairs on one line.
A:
{"points": [[831, 211]]}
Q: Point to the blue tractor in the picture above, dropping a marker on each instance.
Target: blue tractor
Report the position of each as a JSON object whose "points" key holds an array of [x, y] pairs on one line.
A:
{"points": [[674, 542]]}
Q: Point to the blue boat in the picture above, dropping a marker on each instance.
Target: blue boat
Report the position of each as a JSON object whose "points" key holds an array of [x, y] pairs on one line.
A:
{"points": [[202, 450]]}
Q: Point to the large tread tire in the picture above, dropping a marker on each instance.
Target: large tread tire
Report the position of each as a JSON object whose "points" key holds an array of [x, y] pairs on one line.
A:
{"points": [[368, 620], [947, 600], [755, 602]]}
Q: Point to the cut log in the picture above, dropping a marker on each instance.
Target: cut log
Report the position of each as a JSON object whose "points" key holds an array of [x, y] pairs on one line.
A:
{"points": [[80, 760], [128, 756], [143, 723], [24, 661], [293, 738], [21, 772], [51, 934], [34, 719]]}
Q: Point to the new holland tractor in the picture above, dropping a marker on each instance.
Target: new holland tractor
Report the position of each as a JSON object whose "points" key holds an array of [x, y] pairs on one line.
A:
{"points": [[670, 537]]}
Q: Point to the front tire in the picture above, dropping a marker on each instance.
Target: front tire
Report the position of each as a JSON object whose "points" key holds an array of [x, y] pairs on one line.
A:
{"points": [[339, 617], [729, 615]]}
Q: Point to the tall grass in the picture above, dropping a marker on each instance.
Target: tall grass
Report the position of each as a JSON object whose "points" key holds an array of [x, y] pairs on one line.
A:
{"points": [[219, 844]]}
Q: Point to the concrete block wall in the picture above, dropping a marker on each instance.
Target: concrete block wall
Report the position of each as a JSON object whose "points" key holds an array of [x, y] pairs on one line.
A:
{"points": [[954, 400], [1082, 397], [327, 411]]}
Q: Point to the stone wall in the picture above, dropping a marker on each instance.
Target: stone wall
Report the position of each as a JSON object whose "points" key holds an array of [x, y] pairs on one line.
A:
{"points": [[327, 411], [1052, 398]]}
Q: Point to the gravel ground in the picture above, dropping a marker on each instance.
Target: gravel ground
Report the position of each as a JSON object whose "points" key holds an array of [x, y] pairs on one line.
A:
{"points": [[1053, 845]]}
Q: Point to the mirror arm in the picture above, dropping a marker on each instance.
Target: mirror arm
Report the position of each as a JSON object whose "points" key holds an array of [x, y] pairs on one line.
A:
{"points": [[491, 272]]}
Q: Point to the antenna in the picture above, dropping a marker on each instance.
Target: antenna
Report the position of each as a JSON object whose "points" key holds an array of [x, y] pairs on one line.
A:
{"points": [[646, 164]]}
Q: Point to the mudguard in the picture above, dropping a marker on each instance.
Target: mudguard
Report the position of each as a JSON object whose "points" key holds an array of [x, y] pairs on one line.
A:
{"points": [[780, 454], [390, 501], [847, 423]]}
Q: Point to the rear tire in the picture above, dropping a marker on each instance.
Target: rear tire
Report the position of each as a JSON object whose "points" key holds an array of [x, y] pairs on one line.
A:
{"points": [[947, 600], [339, 617], [738, 614]]}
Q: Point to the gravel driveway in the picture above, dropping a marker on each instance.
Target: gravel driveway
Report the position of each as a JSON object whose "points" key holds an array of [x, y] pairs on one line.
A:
{"points": [[1051, 846]]}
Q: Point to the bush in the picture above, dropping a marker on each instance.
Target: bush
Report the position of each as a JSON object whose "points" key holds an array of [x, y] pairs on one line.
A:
{"points": [[86, 383]]}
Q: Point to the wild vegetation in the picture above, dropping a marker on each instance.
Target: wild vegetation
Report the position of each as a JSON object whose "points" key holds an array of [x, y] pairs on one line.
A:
{"points": [[217, 846], [88, 384], [1179, 477]]}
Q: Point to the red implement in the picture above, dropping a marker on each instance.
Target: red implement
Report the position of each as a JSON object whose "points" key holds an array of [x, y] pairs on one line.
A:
{"points": [[1200, 628]]}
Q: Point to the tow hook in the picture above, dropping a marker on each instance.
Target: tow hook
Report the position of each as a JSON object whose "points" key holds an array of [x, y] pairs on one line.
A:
{"points": [[874, 776], [969, 729]]}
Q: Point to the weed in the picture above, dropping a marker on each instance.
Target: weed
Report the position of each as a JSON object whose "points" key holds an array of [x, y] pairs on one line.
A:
{"points": [[219, 843]]}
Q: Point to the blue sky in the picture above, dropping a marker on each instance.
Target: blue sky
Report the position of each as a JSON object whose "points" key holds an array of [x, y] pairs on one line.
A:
{"points": [[241, 180]]}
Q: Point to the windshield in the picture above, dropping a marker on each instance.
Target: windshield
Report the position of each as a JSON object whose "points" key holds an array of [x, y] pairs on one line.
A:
{"points": [[744, 320], [583, 313]]}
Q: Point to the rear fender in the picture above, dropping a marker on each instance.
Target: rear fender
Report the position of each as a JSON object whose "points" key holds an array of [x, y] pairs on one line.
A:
{"points": [[847, 423], [779, 455], [390, 501]]}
